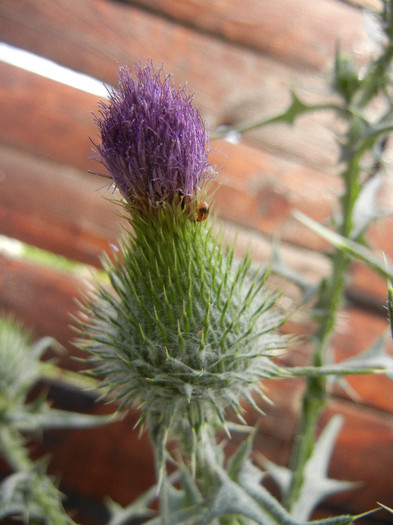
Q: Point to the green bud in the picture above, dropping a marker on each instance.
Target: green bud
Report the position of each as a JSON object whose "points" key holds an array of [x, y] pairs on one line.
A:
{"points": [[185, 331]]}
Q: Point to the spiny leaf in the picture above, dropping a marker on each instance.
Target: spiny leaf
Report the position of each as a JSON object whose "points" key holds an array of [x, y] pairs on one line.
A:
{"points": [[375, 358], [350, 247], [295, 109], [253, 501], [366, 211], [238, 459], [47, 418], [317, 486]]}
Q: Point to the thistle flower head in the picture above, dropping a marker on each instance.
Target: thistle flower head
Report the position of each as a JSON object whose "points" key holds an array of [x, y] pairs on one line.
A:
{"points": [[183, 331], [154, 143]]}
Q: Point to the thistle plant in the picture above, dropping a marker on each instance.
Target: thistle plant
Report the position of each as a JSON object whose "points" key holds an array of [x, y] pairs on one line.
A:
{"points": [[185, 332], [28, 492]]}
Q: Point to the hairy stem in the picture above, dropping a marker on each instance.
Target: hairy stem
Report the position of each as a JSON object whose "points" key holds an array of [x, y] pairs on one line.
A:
{"points": [[331, 293], [164, 510], [314, 398]]}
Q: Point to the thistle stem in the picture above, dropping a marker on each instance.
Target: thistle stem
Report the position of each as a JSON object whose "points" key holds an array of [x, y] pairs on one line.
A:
{"points": [[315, 396], [330, 299], [164, 508], [357, 143]]}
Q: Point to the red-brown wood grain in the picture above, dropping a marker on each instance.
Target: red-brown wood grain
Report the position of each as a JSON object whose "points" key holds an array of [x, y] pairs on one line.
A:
{"points": [[233, 84], [47, 118], [56, 207], [44, 299], [292, 31], [310, 35]]}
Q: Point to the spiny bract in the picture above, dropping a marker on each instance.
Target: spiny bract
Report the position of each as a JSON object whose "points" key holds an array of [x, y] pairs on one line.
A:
{"points": [[185, 331]]}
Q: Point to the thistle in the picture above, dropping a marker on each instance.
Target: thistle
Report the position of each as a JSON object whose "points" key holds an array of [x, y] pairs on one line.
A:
{"points": [[184, 330], [153, 140]]}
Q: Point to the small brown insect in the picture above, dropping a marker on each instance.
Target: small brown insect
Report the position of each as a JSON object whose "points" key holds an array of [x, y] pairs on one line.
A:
{"points": [[202, 211]]}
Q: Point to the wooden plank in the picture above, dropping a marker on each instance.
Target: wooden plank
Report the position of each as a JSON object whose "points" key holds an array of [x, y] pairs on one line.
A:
{"points": [[44, 299], [56, 208], [232, 84], [46, 118], [259, 191], [269, 28], [266, 27]]}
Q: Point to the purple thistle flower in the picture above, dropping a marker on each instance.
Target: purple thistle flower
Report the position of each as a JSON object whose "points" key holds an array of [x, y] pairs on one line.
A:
{"points": [[154, 143]]}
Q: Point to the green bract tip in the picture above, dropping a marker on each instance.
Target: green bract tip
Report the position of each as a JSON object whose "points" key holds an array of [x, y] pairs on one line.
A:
{"points": [[185, 331]]}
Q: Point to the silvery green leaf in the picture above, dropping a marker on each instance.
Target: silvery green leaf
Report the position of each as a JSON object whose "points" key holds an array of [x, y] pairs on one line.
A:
{"points": [[13, 449], [139, 507], [181, 517], [19, 368], [231, 498], [46, 417], [191, 491], [390, 307], [385, 507], [341, 381], [240, 458], [39, 347], [177, 500], [254, 502], [9, 494], [317, 485], [374, 358], [354, 249], [366, 210], [32, 496], [374, 30], [281, 475]]}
